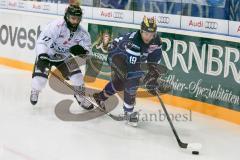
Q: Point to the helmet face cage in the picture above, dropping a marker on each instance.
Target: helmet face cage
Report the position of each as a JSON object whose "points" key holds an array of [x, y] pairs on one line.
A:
{"points": [[72, 11], [149, 24]]}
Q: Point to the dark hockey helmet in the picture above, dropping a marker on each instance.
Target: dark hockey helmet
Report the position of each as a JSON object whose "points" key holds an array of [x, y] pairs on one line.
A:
{"points": [[72, 10], [149, 24]]}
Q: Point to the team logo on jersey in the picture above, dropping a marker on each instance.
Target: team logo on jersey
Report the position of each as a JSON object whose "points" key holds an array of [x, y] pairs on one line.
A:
{"points": [[77, 40], [65, 42], [129, 44]]}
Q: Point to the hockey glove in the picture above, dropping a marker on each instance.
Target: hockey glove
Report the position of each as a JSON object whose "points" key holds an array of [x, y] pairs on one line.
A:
{"points": [[152, 84], [43, 62], [78, 50]]}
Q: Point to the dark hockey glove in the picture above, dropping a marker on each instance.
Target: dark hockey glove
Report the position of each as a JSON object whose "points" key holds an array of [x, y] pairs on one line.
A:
{"points": [[152, 84], [43, 62], [164, 86], [78, 50]]}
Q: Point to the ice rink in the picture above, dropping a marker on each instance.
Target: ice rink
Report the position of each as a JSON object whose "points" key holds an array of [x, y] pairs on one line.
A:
{"points": [[36, 133]]}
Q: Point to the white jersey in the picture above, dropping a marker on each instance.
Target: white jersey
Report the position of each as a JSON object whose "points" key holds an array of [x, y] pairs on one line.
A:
{"points": [[56, 39]]}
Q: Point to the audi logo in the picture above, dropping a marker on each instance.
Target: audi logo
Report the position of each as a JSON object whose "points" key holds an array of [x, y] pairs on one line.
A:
{"points": [[211, 25], [118, 15], [163, 19]]}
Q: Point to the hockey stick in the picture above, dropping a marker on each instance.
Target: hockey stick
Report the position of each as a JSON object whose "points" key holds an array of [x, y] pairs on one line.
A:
{"points": [[80, 93], [189, 146], [53, 60], [116, 118]]}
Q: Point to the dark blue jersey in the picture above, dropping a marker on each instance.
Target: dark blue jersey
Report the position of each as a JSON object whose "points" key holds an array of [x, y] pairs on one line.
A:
{"points": [[135, 52]]}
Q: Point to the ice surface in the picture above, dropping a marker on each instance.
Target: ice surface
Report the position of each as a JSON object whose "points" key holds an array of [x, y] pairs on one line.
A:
{"points": [[35, 133]]}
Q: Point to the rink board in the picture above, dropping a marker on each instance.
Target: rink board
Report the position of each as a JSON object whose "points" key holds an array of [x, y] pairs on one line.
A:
{"points": [[18, 38]]}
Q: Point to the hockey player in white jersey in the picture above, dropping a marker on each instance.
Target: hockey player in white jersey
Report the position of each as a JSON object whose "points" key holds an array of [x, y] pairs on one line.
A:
{"points": [[60, 41]]}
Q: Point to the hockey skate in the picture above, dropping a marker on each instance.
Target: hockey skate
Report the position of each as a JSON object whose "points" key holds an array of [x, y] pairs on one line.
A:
{"points": [[34, 97], [132, 118], [83, 102], [99, 101]]}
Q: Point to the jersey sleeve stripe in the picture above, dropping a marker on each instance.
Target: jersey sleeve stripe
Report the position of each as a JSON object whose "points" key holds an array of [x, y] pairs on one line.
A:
{"points": [[133, 53]]}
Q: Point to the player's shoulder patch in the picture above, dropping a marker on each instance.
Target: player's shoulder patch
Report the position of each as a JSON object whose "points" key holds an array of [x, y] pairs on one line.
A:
{"points": [[156, 44], [51, 27], [84, 32], [82, 29], [58, 23], [132, 35]]}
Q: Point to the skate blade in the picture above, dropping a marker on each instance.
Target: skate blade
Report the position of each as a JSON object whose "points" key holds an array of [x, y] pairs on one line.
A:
{"points": [[133, 124]]}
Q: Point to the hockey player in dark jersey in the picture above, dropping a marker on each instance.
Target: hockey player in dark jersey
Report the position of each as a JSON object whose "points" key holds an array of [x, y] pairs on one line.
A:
{"points": [[125, 57]]}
